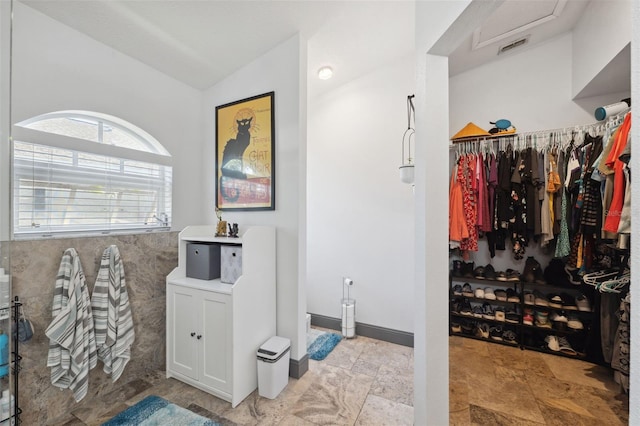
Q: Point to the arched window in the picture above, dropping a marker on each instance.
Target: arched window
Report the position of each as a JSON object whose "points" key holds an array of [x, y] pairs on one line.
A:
{"points": [[90, 173]]}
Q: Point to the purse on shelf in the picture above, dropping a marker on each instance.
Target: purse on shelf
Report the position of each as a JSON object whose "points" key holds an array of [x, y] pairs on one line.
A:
{"points": [[24, 327]]}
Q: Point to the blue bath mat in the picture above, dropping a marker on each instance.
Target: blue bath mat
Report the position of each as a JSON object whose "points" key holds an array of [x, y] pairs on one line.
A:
{"points": [[321, 343], [155, 411]]}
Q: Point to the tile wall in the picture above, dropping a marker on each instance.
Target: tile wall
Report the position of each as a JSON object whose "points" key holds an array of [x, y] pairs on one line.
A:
{"points": [[147, 258]]}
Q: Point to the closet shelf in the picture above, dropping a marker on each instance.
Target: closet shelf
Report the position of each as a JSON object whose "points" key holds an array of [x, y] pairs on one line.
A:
{"points": [[500, 342]]}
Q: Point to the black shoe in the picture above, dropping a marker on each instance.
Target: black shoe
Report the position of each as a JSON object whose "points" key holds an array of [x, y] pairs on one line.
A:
{"points": [[465, 308], [496, 333], [555, 274], [467, 269], [479, 272], [457, 268], [489, 272]]}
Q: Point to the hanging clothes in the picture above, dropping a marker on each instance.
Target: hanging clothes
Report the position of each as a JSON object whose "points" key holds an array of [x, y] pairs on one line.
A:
{"points": [[465, 172], [112, 314], [613, 161], [72, 345], [457, 222]]}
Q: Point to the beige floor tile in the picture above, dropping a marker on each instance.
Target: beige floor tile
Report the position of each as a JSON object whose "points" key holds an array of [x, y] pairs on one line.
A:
{"points": [[368, 382], [381, 411]]}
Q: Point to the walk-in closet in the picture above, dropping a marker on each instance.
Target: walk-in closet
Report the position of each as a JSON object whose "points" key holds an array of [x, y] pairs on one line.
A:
{"points": [[539, 230]]}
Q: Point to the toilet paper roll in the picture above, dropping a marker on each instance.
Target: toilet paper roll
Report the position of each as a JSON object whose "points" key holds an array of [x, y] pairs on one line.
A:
{"points": [[348, 315], [608, 110]]}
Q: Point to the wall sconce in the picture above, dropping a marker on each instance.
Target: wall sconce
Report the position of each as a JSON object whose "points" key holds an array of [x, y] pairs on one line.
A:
{"points": [[407, 168]]}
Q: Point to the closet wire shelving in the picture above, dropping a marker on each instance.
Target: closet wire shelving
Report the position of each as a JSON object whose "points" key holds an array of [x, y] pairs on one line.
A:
{"points": [[543, 140]]}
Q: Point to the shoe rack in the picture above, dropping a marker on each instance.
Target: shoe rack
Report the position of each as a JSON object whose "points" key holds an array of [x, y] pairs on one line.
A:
{"points": [[527, 319]]}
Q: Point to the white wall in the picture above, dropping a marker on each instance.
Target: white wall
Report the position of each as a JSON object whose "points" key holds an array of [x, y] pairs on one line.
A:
{"points": [[531, 88], [360, 216], [533, 94], [277, 70], [431, 335], [602, 32], [58, 68]]}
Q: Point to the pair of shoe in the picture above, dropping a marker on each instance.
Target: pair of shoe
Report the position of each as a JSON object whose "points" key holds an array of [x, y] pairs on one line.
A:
{"points": [[462, 269], [508, 275], [559, 344], [485, 272], [542, 319], [508, 336]]}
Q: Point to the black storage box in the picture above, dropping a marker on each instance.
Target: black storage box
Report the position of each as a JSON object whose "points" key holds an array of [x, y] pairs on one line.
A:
{"points": [[203, 261]]}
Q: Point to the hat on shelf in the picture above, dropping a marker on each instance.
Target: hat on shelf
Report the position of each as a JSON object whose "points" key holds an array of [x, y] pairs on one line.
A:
{"points": [[502, 127], [470, 131]]}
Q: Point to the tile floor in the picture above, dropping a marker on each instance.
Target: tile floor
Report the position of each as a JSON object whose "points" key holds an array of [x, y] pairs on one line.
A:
{"points": [[370, 382]]}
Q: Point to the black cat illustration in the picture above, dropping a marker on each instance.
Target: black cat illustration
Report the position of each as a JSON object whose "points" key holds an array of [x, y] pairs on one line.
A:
{"points": [[232, 164]]}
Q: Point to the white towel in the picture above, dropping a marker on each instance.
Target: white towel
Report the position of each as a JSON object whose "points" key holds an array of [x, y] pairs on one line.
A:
{"points": [[72, 346], [112, 314]]}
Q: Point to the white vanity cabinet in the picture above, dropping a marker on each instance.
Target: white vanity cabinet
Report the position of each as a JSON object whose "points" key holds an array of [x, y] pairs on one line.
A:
{"points": [[214, 329]]}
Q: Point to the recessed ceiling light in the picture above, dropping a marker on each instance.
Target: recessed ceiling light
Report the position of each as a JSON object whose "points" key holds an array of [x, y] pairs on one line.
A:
{"points": [[325, 73]]}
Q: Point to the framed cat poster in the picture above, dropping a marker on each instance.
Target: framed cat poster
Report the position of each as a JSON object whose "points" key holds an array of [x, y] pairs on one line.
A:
{"points": [[245, 160]]}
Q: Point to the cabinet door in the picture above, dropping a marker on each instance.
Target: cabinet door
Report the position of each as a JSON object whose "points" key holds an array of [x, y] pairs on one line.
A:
{"points": [[216, 359], [183, 329]]}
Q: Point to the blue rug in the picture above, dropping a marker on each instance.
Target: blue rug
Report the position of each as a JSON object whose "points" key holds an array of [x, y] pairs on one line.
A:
{"points": [[155, 411], [321, 343]]}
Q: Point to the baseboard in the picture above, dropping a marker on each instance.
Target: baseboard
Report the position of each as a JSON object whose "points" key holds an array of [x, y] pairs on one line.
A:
{"points": [[297, 368], [373, 331]]}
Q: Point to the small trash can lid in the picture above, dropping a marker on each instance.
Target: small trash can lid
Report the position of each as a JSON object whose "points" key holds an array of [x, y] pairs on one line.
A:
{"points": [[274, 347]]}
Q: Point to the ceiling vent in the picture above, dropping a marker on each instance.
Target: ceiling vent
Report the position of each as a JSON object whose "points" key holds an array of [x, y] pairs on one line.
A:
{"points": [[514, 44]]}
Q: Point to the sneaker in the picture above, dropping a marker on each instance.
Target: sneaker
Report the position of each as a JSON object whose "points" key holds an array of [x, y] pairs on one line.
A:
{"points": [[467, 328], [512, 316], [568, 302], [496, 333], [455, 327], [466, 290], [527, 318], [565, 347], [554, 300], [477, 311], [512, 296], [479, 272], [529, 298], [583, 303], [482, 330], [509, 337], [487, 311], [501, 276], [552, 343], [489, 272], [499, 313], [465, 308], [539, 298], [457, 290], [501, 295], [542, 319], [512, 275], [574, 322], [558, 317], [478, 293], [489, 294]]}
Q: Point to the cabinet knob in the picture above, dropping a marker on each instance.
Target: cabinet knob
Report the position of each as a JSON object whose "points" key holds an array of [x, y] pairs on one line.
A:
{"points": [[193, 334], [199, 336]]}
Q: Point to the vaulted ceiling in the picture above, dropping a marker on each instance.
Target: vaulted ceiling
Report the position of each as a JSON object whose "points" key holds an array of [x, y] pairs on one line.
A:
{"points": [[201, 42]]}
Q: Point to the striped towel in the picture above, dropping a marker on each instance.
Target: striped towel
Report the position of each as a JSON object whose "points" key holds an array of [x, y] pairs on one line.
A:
{"points": [[112, 314], [72, 344]]}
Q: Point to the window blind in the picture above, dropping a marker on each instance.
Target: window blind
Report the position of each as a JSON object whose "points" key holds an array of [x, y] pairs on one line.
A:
{"points": [[61, 191]]}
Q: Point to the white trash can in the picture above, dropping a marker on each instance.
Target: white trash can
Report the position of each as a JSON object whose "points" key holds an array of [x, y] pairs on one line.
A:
{"points": [[273, 366]]}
